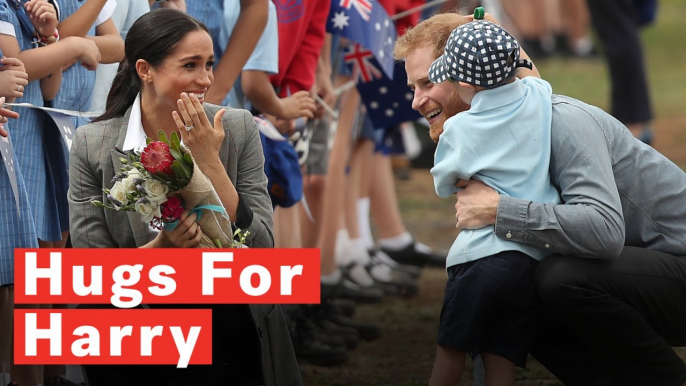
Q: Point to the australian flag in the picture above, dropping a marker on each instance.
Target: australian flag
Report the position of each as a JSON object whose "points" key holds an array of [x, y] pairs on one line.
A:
{"points": [[388, 101], [366, 23]]}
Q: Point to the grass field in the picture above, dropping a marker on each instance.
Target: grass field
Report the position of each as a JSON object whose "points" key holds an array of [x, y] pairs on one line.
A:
{"points": [[404, 355]]}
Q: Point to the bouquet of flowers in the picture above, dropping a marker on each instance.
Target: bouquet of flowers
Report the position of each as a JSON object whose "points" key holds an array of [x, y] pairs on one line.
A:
{"points": [[161, 182]]}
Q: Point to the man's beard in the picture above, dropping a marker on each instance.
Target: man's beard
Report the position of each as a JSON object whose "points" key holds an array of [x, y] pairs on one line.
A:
{"points": [[455, 105]]}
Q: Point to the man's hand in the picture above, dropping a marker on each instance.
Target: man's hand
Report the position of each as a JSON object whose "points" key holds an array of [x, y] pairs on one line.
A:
{"points": [[476, 206]]}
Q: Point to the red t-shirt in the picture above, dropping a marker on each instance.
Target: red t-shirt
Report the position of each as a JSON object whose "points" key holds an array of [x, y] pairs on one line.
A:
{"points": [[302, 27]]}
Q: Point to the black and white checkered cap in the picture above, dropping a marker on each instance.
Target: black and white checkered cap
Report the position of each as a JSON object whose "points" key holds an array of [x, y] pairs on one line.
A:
{"points": [[479, 53]]}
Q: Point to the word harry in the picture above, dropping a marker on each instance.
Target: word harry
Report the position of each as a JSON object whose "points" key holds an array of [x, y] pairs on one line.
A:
{"points": [[128, 277], [101, 336]]}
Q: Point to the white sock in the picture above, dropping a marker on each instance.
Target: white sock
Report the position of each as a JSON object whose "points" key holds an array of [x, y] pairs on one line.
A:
{"points": [[358, 251], [363, 222], [332, 278], [360, 275], [342, 256], [396, 243]]}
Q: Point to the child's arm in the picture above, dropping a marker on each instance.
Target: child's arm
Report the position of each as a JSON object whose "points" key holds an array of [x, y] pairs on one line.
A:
{"points": [[109, 42], [50, 85], [81, 21], [447, 170], [107, 37], [244, 37], [43, 61], [259, 91], [522, 72]]}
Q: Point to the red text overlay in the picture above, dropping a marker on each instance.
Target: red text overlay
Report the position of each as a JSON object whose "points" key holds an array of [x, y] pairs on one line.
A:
{"points": [[126, 278]]}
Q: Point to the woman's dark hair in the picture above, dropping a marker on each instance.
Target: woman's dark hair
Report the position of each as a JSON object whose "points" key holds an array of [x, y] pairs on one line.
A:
{"points": [[153, 38]]}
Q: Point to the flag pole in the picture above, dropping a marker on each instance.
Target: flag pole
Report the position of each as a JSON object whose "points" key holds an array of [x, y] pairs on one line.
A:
{"points": [[416, 9]]}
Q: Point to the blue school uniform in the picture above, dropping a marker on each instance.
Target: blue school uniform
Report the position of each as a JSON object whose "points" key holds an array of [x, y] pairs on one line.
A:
{"points": [[210, 13], [77, 82], [40, 161]]}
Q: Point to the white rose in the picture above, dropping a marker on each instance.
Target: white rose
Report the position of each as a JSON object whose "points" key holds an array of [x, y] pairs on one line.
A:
{"points": [[148, 210], [156, 191], [118, 194], [129, 182]]}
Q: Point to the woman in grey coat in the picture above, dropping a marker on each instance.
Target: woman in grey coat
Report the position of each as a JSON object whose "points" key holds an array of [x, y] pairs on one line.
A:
{"points": [[161, 85]]}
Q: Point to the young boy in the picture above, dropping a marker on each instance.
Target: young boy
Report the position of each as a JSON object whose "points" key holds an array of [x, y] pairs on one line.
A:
{"points": [[490, 303]]}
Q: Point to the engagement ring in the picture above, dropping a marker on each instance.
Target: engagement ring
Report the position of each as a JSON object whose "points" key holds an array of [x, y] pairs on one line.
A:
{"points": [[189, 128], [20, 88]]}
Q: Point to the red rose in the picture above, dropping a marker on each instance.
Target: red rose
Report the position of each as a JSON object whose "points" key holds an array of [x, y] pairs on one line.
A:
{"points": [[157, 158]]}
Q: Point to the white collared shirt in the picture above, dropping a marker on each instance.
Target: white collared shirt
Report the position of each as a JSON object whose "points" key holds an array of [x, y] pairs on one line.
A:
{"points": [[136, 140]]}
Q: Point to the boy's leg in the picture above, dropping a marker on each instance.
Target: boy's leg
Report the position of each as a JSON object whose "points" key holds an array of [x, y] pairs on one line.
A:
{"points": [[499, 371], [448, 367]]}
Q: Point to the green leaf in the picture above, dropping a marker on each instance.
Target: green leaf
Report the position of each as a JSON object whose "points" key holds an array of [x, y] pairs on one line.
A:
{"points": [[188, 159], [163, 176], [176, 154], [175, 142], [148, 141], [163, 137], [217, 243], [179, 171]]}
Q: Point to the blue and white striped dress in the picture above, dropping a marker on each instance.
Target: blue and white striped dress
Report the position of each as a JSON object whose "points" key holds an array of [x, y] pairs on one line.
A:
{"points": [[210, 13], [40, 161], [76, 91]]}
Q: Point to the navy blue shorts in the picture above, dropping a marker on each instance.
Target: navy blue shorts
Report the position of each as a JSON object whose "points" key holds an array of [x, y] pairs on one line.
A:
{"points": [[491, 305]]}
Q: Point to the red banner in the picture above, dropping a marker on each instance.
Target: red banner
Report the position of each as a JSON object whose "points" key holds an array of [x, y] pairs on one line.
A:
{"points": [[129, 277], [154, 336]]}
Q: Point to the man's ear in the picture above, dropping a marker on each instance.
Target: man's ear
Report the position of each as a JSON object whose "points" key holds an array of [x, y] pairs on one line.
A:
{"points": [[468, 86]]}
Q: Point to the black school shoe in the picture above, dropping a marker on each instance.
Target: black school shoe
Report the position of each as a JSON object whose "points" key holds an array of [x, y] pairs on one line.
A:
{"points": [[306, 346], [330, 312], [410, 255]]}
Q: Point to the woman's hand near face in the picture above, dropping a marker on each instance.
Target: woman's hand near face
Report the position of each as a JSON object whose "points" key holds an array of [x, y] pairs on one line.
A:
{"points": [[187, 234], [203, 140]]}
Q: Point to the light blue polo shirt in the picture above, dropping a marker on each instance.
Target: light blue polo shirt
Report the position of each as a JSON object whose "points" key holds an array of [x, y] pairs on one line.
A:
{"points": [[265, 57], [504, 141]]}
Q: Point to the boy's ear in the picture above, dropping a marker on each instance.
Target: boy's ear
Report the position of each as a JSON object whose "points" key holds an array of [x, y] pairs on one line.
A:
{"points": [[468, 86]]}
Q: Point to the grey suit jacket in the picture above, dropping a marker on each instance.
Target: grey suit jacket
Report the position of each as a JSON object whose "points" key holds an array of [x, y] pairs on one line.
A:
{"points": [[94, 159]]}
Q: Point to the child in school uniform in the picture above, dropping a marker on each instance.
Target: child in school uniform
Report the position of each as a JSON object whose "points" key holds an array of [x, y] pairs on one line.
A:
{"points": [[28, 32], [490, 304], [90, 19]]}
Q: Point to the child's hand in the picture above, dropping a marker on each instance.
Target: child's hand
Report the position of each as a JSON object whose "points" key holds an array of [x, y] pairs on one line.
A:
{"points": [[4, 114], [284, 126], [43, 16], [297, 105], [89, 53], [13, 78], [12, 64]]}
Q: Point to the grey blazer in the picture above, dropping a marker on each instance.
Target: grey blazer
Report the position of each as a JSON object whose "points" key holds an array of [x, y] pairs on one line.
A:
{"points": [[94, 158]]}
